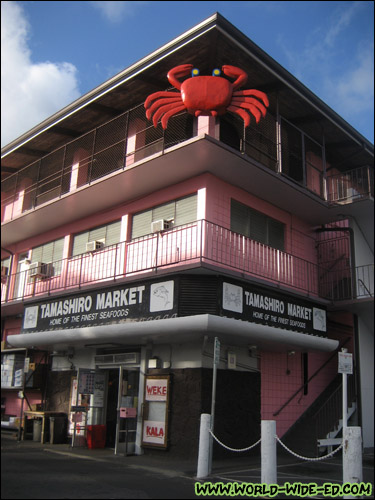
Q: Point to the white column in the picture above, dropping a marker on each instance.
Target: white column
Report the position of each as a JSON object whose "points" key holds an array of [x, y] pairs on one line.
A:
{"points": [[352, 456], [204, 446], [268, 452]]}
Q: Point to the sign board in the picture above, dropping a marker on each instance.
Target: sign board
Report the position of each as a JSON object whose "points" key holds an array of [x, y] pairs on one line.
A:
{"points": [[86, 381], [156, 389], [216, 352], [272, 308], [345, 363], [144, 302], [155, 417]]}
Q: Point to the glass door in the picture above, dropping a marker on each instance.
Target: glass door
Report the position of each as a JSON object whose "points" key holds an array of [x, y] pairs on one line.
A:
{"points": [[127, 407]]}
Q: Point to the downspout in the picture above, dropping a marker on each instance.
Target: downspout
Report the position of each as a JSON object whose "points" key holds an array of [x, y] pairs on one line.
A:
{"points": [[10, 268], [352, 252]]}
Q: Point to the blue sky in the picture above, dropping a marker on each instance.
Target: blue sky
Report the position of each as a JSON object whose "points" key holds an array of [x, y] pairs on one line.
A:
{"points": [[54, 52]]}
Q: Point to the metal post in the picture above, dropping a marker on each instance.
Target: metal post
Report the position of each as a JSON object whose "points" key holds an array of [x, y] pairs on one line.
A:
{"points": [[344, 402], [352, 456], [213, 399], [268, 452], [204, 446]]}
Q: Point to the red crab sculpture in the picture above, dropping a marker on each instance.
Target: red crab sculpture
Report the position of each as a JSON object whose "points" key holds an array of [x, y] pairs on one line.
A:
{"points": [[206, 95]]}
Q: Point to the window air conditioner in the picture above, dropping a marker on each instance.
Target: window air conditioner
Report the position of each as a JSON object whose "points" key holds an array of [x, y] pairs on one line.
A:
{"points": [[39, 270], [91, 246], [160, 225]]}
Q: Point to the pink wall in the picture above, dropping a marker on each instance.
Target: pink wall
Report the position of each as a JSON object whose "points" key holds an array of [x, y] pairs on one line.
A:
{"points": [[300, 239], [277, 387]]}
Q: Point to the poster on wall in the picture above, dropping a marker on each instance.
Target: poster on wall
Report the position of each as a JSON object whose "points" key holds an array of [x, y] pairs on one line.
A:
{"points": [[155, 419]]}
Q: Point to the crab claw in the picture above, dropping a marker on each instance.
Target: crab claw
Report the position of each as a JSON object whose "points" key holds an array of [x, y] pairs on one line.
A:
{"points": [[234, 72], [178, 72]]}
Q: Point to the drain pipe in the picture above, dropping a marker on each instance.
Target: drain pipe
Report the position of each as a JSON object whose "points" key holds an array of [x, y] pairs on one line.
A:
{"points": [[10, 268]]}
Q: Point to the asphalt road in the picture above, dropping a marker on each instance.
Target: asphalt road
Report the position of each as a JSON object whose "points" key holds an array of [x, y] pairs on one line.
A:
{"points": [[35, 470], [42, 473]]}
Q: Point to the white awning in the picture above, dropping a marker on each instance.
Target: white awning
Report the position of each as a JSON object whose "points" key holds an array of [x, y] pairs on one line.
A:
{"points": [[178, 330]]}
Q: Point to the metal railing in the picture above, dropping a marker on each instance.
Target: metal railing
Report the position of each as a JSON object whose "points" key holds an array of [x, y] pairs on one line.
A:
{"points": [[350, 186], [192, 244], [328, 416], [130, 137]]}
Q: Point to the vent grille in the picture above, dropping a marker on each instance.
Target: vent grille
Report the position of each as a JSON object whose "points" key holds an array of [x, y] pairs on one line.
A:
{"points": [[129, 358], [199, 295]]}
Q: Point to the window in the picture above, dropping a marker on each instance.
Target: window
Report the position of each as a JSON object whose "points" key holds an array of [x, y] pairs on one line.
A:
{"points": [[50, 252], [181, 211], [257, 226], [108, 235]]}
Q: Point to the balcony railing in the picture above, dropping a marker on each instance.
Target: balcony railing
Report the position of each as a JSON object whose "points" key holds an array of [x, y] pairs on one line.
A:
{"points": [[194, 244], [128, 138], [350, 186]]}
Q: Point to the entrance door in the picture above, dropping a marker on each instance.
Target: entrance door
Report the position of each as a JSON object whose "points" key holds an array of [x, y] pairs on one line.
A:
{"points": [[122, 406], [112, 398]]}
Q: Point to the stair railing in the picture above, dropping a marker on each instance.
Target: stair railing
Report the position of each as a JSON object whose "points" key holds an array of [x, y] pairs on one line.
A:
{"points": [[312, 376], [328, 416]]}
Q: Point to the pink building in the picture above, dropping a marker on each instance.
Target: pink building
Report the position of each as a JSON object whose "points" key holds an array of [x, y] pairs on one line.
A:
{"points": [[128, 248]]}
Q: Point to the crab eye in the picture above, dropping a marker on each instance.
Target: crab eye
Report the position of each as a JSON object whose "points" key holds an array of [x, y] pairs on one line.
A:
{"points": [[195, 72], [216, 72]]}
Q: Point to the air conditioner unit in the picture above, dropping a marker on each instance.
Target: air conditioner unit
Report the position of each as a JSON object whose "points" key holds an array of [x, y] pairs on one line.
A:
{"points": [[91, 246], [127, 358], [160, 225], [39, 270]]}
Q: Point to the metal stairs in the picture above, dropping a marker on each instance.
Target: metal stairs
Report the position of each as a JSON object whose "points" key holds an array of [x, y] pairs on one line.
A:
{"points": [[331, 438]]}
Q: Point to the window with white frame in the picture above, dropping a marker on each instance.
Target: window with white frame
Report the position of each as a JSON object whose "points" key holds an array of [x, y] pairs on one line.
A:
{"points": [[257, 226], [106, 236], [48, 253], [177, 213]]}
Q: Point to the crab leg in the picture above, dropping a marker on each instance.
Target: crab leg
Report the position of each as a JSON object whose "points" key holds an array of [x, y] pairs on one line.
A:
{"points": [[164, 109], [257, 93], [164, 120], [155, 95], [161, 102], [255, 111], [250, 100], [243, 114]]}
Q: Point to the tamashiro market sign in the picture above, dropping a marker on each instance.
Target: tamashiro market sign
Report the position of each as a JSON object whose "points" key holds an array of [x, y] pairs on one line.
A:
{"points": [[137, 302], [266, 307]]}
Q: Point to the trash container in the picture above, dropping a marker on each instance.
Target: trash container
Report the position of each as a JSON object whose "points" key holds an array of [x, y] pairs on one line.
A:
{"points": [[57, 430], [96, 436], [37, 430]]}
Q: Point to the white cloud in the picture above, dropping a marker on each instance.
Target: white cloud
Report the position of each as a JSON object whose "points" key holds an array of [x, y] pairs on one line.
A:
{"points": [[343, 79], [116, 11], [355, 87], [30, 92]]}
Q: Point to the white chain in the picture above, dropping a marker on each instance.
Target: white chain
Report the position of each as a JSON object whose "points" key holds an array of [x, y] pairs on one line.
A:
{"points": [[233, 449], [282, 444], [307, 458]]}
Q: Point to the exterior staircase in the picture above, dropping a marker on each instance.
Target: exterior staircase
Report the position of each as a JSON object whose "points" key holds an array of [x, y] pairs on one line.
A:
{"points": [[319, 428]]}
